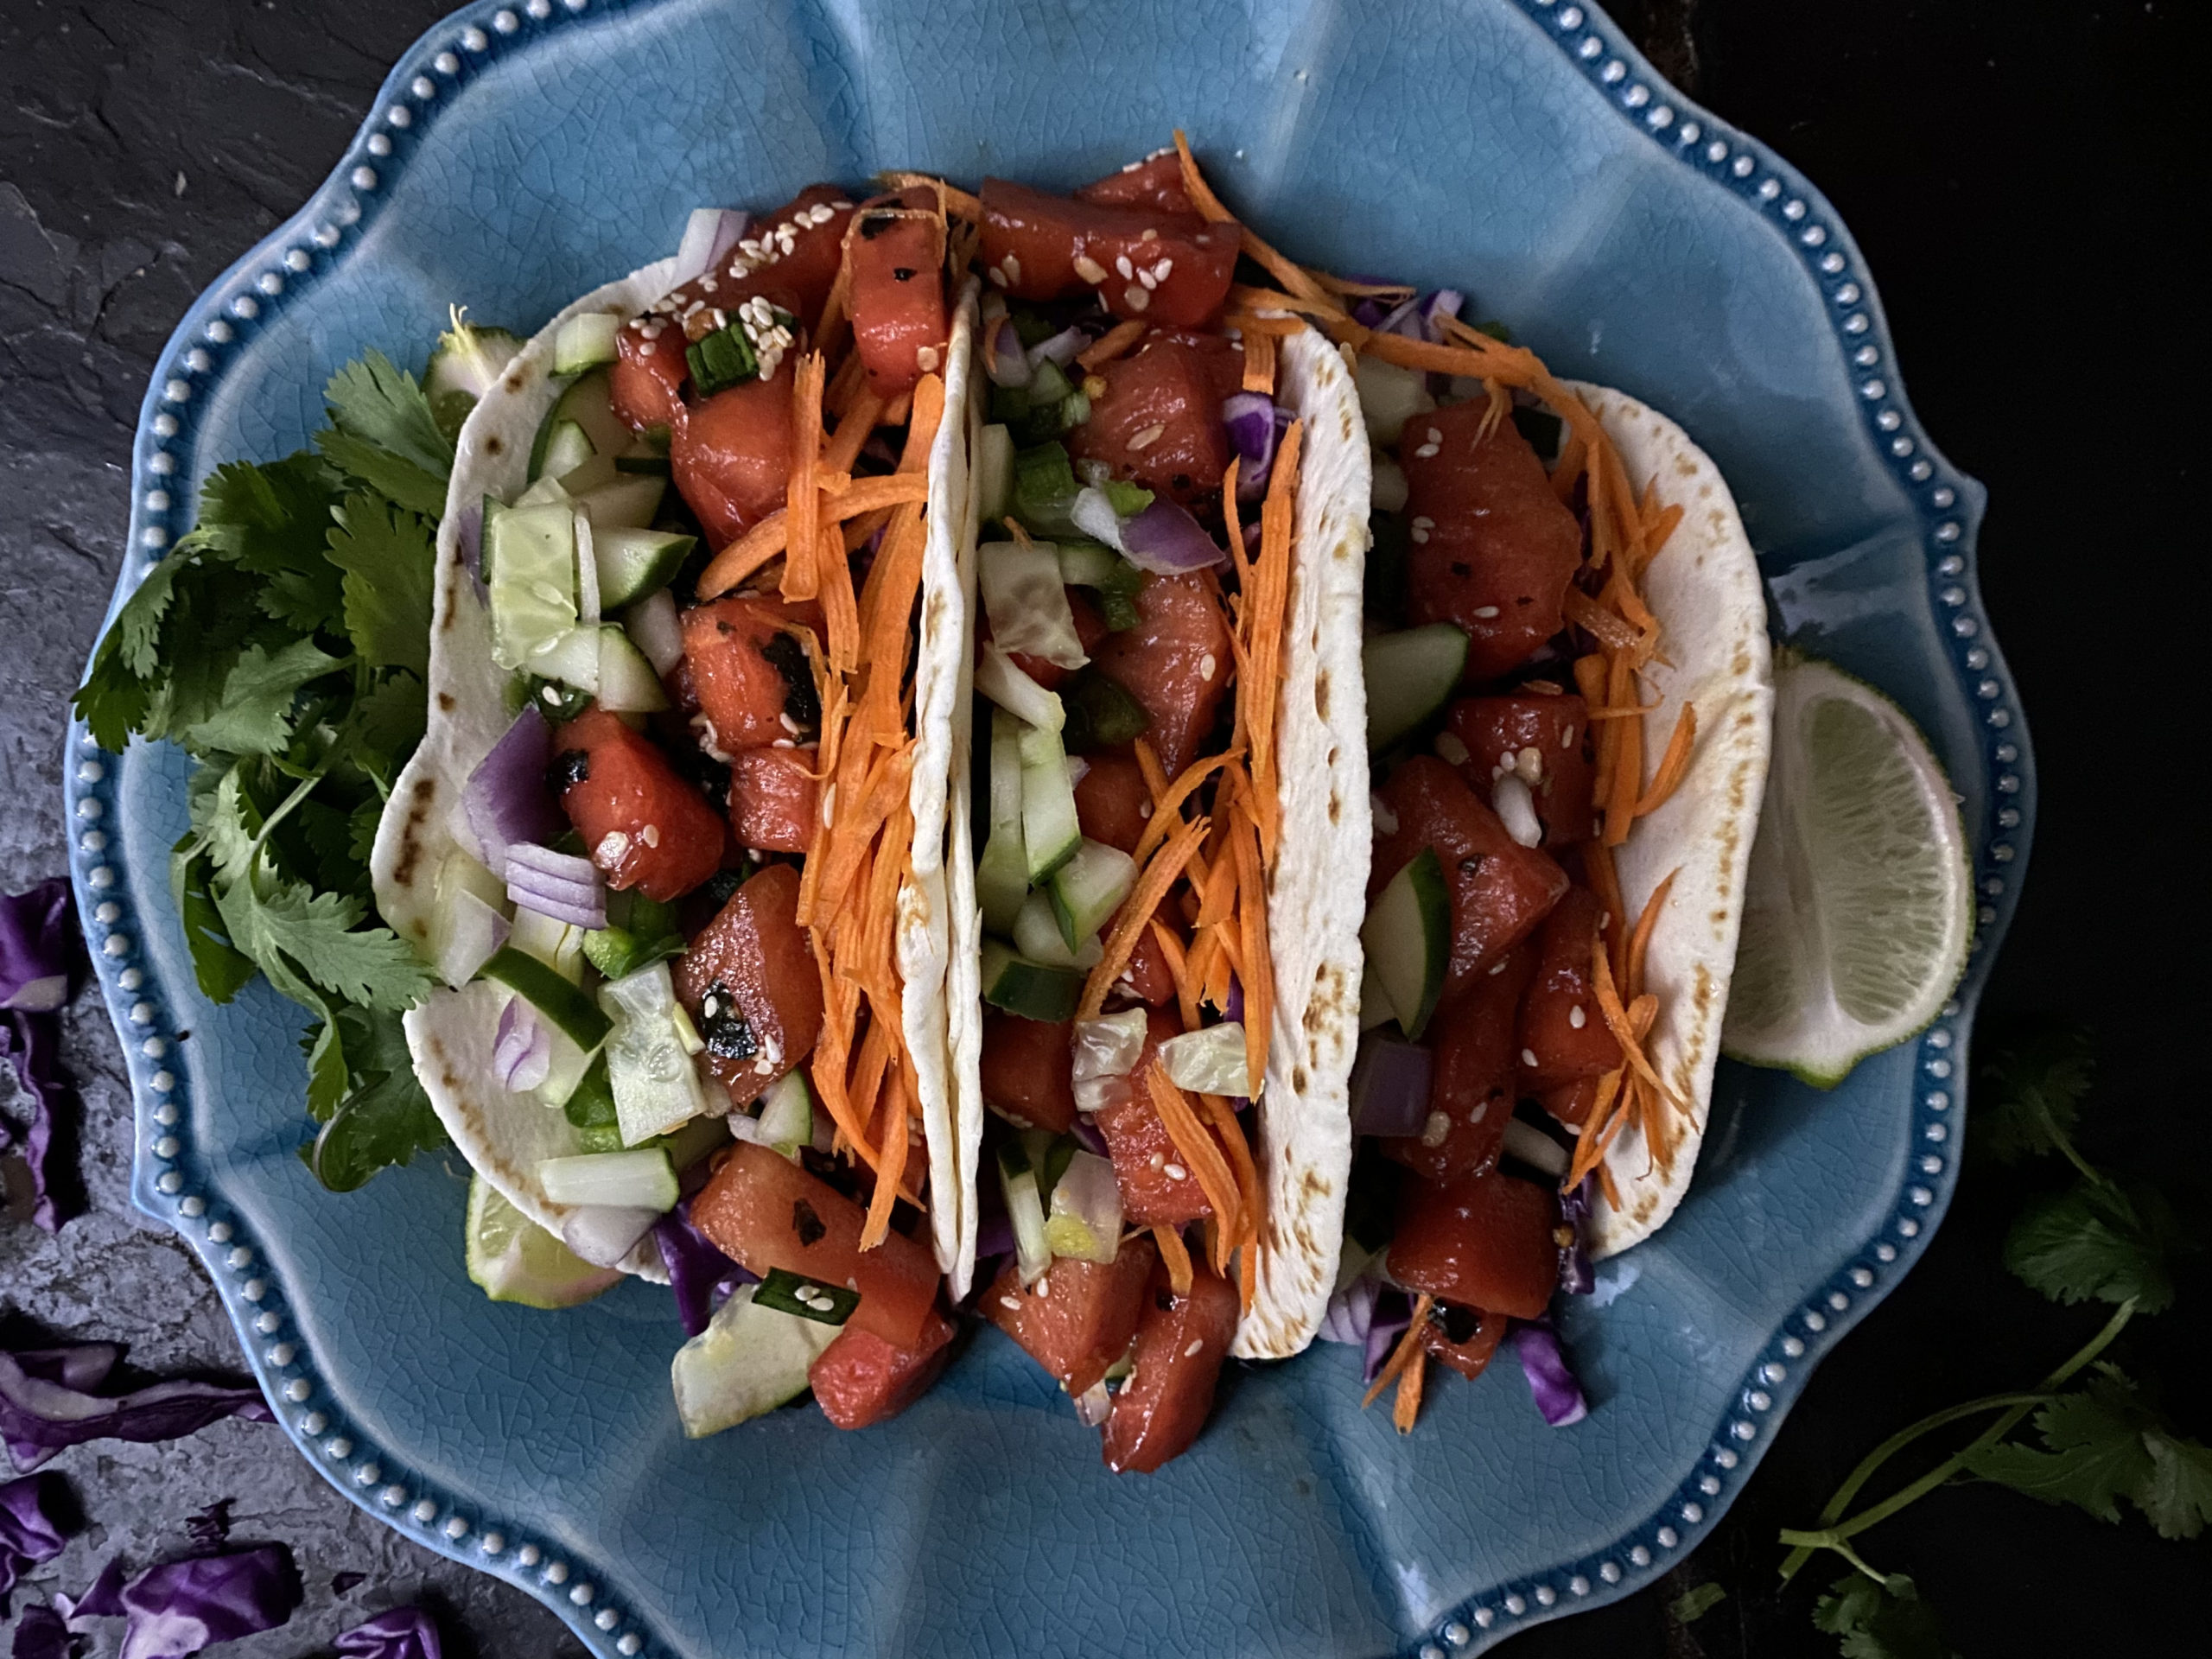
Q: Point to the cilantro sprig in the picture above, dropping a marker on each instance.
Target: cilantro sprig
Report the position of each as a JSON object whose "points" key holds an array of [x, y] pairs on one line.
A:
{"points": [[2102, 1439], [283, 643]]}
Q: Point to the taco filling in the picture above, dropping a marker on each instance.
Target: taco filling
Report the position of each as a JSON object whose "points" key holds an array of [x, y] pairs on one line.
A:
{"points": [[681, 889]]}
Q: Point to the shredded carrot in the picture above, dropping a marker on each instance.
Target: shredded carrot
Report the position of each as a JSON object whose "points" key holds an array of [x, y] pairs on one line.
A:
{"points": [[1260, 362], [1160, 875], [1247, 1277], [856, 826], [1659, 530], [1257, 968], [1627, 779], [1606, 882], [895, 1144], [1167, 802], [1264, 630], [1674, 765], [1244, 299], [1406, 1406], [1363, 291], [1585, 612], [770, 536], [1178, 968], [1600, 1127], [1232, 520], [1177, 1259], [840, 614], [1641, 939], [1590, 679], [1409, 1346], [1201, 1156], [1616, 1019], [803, 500], [1230, 1133], [1113, 343], [1265, 322], [1195, 186], [854, 426]]}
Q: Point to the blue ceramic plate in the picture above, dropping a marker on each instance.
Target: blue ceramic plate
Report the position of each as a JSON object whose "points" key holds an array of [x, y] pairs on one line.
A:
{"points": [[1524, 151]]}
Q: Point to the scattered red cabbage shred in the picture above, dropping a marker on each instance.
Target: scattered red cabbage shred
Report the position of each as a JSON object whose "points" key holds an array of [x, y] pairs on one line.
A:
{"points": [[38, 948], [29, 1533], [1558, 1395], [396, 1633], [45, 1404], [182, 1607], [41, 1633]]}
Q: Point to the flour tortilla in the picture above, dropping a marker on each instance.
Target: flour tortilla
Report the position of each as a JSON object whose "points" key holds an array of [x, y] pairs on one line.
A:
{"points": [[1704, 588], [505, 1136]]}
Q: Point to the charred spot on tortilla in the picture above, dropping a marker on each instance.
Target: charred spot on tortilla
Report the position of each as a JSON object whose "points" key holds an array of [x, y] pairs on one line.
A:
{"points": [[727, 1033], [445, 702], [494, 445], [516, 381], [809, 1226], [569, 768], [1321, 708], [788, 658]]}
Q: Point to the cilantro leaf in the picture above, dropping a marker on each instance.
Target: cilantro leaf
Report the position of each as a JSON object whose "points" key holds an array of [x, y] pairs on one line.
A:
{"points": [[387, 555], [222, 971], [138, 632], [390, 718], [374, 967], [385, 434], [271, 520], [361, 832], [2177, 1495], [2032, 1094], [2096, 1455], [385, 1118], [254, 716], [1880, 1619], [114, 701], [2090, 1242], [1696, 1603]]}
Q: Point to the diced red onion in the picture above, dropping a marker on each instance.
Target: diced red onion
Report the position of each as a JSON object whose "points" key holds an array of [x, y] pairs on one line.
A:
{"points": [[1445, 302], [604, 1233], [1403, 319], [522, 1053], [1394, 1311], [468, 536], [1166, 541], [1255, 425], [1060, 349], [1236, 1008], [506, 799], [1005, 362], [1093, 1405], [559, 885], [708, 236], [1558, 1395], [1390, 1086], [1351, 1309], [1088, 1135], [697, 1269]]}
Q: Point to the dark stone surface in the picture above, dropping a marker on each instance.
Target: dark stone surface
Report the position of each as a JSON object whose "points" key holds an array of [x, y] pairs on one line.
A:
{"points": [[2017, 177]]}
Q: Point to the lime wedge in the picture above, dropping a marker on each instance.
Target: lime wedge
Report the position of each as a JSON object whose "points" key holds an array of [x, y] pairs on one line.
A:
{"points": [[515, 1260], [1860, 905]]}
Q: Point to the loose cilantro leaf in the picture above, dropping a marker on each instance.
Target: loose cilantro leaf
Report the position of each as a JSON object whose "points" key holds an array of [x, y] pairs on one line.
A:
{"points": [[1881, 1619], [386, 1118], [385, 434], [2032, 1094], [2091, 1243], [2096, 1455], [2177, 1495], [388, 555], [271, 520], [1696, 1603], [254, 716]]}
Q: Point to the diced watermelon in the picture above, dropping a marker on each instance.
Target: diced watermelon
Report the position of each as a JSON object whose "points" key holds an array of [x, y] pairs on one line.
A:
{"points": [[646, 381], [1181, 1343], [1038, 246], [730, 456], [1155, 182], [899, 319], [1113, 804], [1483, 1241], [1156, 1186], [774, 799], [1157, 423], [1175, 661], [1471, 1354], [1558, 729], [1470, 1083], [750, 673], [764, 1213], [860, 1378], [1561, 1027], [643, 825], [750, 984], [1078, 1318], [1026, 1071]]}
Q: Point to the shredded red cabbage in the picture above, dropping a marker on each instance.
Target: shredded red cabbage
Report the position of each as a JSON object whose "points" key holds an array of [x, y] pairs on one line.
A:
{"points": [[396, 1633], [1390, 1086], [1092, 1140], [1558, 1395], [103, 1597], [29, 1533], [700, 1275], [1061, 349], [1576, 1276], [1254, 427], [45, 1404], [38, 950], [505, 799], [41, 1633], [1369, 1313], [182, 1606]]}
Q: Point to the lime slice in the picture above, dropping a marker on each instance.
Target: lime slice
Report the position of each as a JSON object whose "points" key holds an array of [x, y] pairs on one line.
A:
{"points": [[1859, 906], [515, 1260]]}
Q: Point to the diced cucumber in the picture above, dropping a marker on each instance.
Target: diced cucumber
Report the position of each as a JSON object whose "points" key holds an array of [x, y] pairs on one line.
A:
{"points": [[1409, 676], [531, 555], [1002, 874], [786, 1121], [1031, 989], [1100, 714], [1026, 602], [564, 1074], [587, 574], [629, 501], [656, 1087], [635, 562], [547, 492], [1375, 1008], [1390, 396], [1037, 936], [1048, 382], [687, 1143], [566, 450], [585, 342], [573, 659], [999, 677], [1089, 888], [1025, 1208], [1044, 489], [588, 403], [994, 473], [568, 1010], [643, 1179], [627, 683], [748, 1360], [558, 945], [654, 628], [1407, 935], [1085, 563], [1050, 833]]}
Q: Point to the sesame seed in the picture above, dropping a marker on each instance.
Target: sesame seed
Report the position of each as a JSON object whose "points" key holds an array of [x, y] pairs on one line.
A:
{"points": [[610, 848], [1012, 1304], [707, 283], [1423, 521], [1150, 235], [1136, 298], [1528, 1057], [1013, 269], [1566, 738], [1147, 279], [1161, 269], [1433, 436], [1089, 269], [1196, 1343], [1122, 263], [1158, 1159], [648, 349], [1174, 1172], [1044, 1287], [997, 276], [650, 835], [1425, 452], [790, 725], [1434, 1132], [1497, 967], [842, 206], [1207, 664], [1576, 1018], [1420, 533], [1485, 611], [925, 359], [1145, 437], [1144, 809]]}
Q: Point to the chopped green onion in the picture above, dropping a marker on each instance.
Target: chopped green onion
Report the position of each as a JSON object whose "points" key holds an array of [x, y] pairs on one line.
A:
{"points": [[1099, 714], [722, 360], [810, 1299], [1127, 499]]}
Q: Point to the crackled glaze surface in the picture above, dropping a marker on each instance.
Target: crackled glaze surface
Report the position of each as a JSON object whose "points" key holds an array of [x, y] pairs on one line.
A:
{"points": [[519, 155]]}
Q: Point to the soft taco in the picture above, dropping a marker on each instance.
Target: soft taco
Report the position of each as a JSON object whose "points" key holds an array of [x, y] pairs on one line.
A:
{"points": [[677, 835], [1170, 738]]}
